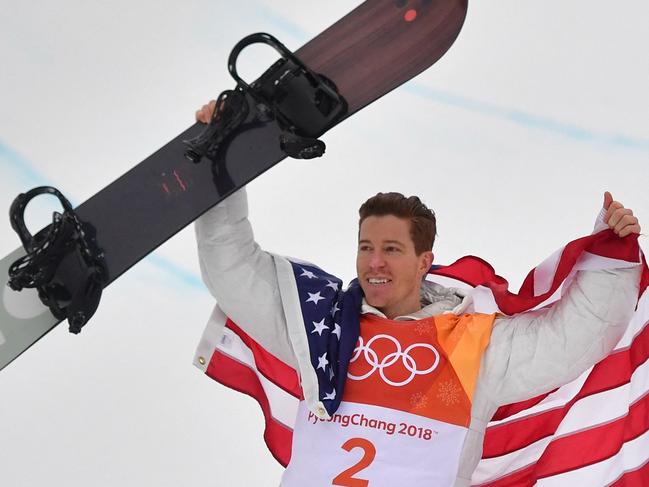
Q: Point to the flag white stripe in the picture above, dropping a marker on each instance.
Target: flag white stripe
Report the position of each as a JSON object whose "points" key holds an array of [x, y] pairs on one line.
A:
{"points": [[555, 400], [586, 261], [283, 406], [594, 262], [607, 406], [544, 273], [449, 282], [629, 470], [491, 469]]}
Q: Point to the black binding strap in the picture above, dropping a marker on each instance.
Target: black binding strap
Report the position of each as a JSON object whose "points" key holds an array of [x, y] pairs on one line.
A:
{"points": [[304, 104], [63, 261], [230, 111]]}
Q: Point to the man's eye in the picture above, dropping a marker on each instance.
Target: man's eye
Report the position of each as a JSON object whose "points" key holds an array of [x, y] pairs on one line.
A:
{"points": [[364, 248], [392, 249]]}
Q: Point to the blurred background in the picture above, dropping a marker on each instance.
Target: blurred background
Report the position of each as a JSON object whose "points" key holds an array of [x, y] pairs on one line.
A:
{"points": [[512, 138]]}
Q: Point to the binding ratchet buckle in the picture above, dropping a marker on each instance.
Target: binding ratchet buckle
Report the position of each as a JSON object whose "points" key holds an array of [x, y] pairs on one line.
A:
{"points": [[304, 103], [63, 261]]}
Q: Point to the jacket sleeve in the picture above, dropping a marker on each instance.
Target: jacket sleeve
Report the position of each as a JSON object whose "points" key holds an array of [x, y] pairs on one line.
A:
{"points": [[241, 276], [537, 351]]}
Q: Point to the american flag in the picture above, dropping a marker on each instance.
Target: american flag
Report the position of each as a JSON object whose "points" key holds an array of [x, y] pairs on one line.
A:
{"points": [[593, 431], [324, 306]]}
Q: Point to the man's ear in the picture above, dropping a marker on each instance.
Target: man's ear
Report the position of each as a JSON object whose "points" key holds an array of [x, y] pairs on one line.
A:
{"points": [[426, 261]]}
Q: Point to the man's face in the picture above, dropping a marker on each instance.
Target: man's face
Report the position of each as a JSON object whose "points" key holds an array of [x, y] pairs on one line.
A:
{"points": [[389, 270]]}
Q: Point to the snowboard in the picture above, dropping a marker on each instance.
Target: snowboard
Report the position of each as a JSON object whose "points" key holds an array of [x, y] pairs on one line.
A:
{"points": [[375, 48]]}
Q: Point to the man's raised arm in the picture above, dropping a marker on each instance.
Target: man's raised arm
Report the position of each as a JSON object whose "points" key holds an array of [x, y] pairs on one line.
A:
{"points": [[238, 273], [537, 351]]}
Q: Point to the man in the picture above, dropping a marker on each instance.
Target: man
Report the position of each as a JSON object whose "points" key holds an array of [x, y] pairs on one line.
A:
{"points": [[426, 374]]}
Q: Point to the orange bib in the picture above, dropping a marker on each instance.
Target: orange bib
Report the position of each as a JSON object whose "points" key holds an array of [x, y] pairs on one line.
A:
{"points": [[427, 367]]}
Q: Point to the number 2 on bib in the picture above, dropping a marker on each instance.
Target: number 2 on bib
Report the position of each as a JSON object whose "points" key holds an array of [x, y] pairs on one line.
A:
{"points": [[345, 478]]}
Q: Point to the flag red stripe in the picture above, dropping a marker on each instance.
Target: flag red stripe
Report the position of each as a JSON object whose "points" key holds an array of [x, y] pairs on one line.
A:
{"points": [[584, 448], [634, 478], [614, 371], [276, 371], [614, 247], [595, 444], [236, 375], [504, 412], [475, 271], [470, 270], [604, 243], [644, 279]]}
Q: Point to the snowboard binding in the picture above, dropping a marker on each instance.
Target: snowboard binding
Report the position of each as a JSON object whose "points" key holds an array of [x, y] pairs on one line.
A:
{"points": [[63, 261], [304, 104]]}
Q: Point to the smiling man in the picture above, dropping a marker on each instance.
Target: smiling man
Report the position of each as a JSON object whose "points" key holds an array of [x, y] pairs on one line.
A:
{"points": [[396, 235], [399, 376]]}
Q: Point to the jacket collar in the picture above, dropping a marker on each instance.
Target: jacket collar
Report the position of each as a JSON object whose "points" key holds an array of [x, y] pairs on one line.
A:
{"points": [[435, 299]]}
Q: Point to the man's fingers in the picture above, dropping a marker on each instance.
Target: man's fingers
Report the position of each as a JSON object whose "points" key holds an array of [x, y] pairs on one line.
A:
{"points": [[628, 230], [618, 215], [204, 115], [618, 218], [624, 222], [612, 208]]}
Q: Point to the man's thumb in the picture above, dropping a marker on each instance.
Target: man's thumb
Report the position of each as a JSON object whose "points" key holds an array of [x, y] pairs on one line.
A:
{"points": [[608, 199]]}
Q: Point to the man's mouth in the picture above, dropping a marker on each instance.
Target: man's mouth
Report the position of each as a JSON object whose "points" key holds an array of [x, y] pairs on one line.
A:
{"points": [[378, 281]]}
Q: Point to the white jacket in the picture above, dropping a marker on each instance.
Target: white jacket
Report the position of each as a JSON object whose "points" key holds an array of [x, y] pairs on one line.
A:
{"points": [[529, 354]]}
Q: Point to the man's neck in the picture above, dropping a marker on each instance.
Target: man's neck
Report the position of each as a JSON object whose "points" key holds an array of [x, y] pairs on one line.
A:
{"points": [[396, 311]]}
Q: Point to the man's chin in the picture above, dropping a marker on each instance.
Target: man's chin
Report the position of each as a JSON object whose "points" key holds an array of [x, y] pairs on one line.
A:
{"points": [[376, 301], [378, 298]]}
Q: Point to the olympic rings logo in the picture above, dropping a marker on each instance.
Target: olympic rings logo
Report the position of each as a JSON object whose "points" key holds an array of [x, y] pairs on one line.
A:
{"points": [[408, 362]]}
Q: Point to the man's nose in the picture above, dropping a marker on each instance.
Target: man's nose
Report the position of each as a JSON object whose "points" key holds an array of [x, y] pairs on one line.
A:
{"points": [[377, 261]]}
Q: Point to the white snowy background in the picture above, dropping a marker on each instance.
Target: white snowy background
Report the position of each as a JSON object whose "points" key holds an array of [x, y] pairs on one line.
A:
{"points": [[512, 138]]}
